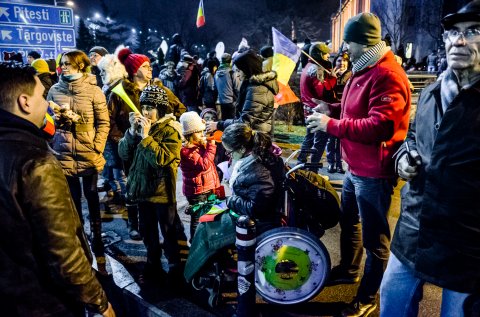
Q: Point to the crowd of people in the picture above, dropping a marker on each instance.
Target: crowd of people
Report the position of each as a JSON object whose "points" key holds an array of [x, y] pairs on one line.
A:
{"points": [[114, 119]]}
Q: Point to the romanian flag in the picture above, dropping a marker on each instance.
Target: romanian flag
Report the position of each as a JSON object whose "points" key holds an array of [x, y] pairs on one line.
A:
{"points": [[200, 15], [49, 123], [285, 57]]}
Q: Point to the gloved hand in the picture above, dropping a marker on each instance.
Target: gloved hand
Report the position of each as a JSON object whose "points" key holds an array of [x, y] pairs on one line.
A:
{"points": [[317, 122], [322, 106], [407, 165]]}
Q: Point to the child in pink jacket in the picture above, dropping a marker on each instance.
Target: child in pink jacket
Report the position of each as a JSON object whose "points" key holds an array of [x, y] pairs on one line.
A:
{"points": [[197, 155]]}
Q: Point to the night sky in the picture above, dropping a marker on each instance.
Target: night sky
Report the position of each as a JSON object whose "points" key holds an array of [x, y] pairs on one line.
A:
{"points": [[226, 20]]}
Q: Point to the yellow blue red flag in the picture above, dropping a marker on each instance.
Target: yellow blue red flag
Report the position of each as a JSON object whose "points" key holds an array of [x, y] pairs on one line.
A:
{"points": [[49, 123], [285, 58], [200, 15]]}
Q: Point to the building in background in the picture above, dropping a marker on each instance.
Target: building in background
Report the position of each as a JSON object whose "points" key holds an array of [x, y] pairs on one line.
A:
{"points": [[413, 25], [347, 9]]}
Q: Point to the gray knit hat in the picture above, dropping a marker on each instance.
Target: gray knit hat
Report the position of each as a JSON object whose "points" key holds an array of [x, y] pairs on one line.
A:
{"points": [[363, 28], [100, 50], [191, 123]]}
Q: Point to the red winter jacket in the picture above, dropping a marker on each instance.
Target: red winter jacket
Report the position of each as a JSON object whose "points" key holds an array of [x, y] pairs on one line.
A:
{"points": [[374, 118], [311, 87], [198, 169]]}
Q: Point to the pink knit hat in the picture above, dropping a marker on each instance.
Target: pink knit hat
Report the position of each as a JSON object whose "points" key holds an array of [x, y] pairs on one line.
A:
{"points": [[131, 61]]}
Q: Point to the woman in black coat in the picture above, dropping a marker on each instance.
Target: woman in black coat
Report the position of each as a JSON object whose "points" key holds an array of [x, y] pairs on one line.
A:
{"points": [[257, 175], [256, 97]]}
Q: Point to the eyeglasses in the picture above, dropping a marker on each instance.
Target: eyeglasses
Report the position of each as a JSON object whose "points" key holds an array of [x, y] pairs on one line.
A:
{"points": [[470, 35], [228, 153], [65, 64]]}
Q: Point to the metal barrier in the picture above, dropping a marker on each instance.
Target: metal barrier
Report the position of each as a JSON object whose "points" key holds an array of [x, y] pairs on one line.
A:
{"points": [[419, 81]]}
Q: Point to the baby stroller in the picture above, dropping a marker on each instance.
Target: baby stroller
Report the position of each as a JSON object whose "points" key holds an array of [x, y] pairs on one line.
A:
{"points": [[291, 263]]}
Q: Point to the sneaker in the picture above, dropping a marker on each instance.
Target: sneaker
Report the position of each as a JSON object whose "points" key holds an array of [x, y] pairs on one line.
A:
{"points": [[339, 275], [340, 170], [135, 235], [358, 309], [331, 169]]}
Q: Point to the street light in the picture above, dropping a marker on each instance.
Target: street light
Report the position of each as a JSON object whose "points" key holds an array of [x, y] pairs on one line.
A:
{"points": [[64, 2]]}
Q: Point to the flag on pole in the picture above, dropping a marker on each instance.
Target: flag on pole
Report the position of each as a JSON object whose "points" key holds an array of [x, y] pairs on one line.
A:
{"points": [[285, 57], [200, 15]]}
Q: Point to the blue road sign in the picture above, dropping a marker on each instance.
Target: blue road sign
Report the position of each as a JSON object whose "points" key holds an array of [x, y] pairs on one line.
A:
{"points": [[46, 53], [27, 14], [26, 36]]}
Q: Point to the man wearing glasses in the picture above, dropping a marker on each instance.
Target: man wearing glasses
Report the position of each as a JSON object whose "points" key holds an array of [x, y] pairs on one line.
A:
{"points": [[437, 236]]}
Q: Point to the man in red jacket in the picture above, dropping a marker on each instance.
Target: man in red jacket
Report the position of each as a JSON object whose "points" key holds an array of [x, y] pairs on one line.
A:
{"points": [[374, 117]]}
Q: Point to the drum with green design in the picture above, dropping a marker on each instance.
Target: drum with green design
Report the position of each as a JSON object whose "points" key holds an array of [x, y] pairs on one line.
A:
{"points": [[292, 265]]}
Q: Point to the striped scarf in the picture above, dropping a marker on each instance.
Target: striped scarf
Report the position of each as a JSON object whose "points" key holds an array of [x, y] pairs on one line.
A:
{"points": [[449, 88], [371, 56]]}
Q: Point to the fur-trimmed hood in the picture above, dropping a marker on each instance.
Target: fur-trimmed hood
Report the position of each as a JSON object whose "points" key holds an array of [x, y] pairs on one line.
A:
{"points": [[268, 79]]}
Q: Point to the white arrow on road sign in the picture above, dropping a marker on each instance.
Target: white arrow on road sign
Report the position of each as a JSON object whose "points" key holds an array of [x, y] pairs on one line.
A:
{"points": [[3, 11], [6, 35]]}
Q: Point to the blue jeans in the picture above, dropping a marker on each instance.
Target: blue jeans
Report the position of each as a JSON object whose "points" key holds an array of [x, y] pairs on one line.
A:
{"points": [[316, 141], [368, 199], [113, 170], [401, 292], [116, 179]]}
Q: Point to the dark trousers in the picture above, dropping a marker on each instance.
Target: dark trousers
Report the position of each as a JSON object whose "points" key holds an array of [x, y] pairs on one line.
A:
{"points": [[194, 217], [316, 141], [228, 110], [151, 215], [132, 206], [334, 157], [91, 195], [363, 221]]}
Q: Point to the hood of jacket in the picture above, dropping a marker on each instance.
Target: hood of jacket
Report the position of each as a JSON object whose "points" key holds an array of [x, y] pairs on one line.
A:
{"points": [[268, 79]]}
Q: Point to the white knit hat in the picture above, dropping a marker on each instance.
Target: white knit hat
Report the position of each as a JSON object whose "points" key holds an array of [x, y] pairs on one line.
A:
{"points": [[191, 123]]}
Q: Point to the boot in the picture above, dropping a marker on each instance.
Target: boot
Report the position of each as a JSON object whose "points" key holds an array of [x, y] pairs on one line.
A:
{"points": [[133, 222], [118, 199], [96, 233]]}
